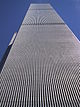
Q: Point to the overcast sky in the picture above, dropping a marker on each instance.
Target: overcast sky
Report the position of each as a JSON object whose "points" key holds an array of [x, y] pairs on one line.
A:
{"points": [[12, 13]]}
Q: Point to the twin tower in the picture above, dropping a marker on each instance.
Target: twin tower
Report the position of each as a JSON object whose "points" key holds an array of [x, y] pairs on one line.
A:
{"points": [[42, 65]]}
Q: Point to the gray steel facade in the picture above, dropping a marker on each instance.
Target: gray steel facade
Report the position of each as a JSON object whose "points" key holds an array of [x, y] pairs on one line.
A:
{"points": [[43, 65]]}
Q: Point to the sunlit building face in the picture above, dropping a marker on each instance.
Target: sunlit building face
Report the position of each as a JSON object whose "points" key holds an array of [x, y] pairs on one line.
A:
{"points": [[42, 64]]}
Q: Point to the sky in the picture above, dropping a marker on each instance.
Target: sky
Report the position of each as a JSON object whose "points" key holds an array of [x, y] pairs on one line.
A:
{"points": [[12, 13]]}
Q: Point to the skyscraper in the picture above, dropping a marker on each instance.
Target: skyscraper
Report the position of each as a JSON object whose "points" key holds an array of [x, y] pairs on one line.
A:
{"points": [[42, 66]]}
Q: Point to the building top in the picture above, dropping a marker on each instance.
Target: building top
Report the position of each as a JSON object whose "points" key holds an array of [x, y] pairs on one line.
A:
{"points": [[40, 6], [42, 14]]}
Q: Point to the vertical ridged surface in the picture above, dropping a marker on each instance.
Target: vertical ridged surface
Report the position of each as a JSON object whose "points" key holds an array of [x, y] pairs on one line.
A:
{"points": [[43, 66]]}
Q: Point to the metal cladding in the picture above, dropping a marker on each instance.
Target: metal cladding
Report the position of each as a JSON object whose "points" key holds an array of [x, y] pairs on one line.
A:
{"points": [[43, 65], [7, 52]]}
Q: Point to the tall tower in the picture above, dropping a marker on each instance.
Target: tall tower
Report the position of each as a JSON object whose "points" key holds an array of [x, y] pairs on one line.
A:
{"points": [[43, 65]]}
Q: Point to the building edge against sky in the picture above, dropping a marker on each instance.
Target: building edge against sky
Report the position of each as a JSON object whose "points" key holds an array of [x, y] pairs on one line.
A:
{"points": [[60, 11], [15, 16], [42, 68]]}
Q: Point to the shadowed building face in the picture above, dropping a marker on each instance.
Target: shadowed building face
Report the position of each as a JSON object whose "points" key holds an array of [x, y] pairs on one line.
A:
{"points": [[43, 65]]}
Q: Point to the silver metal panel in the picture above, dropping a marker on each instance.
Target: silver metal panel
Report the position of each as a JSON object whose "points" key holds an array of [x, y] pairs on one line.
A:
{"points": [[42, 17], [55, 37], [42, 68], [40, 6]]}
